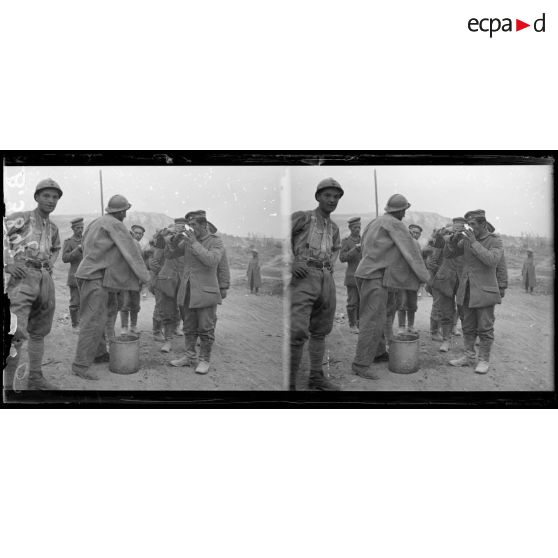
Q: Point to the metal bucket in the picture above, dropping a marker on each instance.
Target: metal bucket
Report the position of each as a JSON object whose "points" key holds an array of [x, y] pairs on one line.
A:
{"points": [[404, 353], [124, 354]]}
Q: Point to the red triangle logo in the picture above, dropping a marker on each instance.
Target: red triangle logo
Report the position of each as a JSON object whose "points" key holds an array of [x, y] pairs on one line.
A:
{"points": [[519, 25]]}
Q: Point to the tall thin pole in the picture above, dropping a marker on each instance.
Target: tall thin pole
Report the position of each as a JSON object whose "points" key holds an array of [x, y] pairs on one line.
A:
{"points": [[376, 191], [101, 182]]}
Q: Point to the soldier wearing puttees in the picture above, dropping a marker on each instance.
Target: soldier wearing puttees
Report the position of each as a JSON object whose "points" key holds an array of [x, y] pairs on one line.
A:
{"points": [[445, 280], [478, 290], [391, 259], [112, 262], [406, 300], [199, 292], [33, 244], [129, 301], [72, 253], [315, 244], [351, 253]]}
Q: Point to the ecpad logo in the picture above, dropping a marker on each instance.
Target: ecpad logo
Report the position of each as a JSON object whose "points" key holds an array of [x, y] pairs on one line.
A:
{"points": [[493, 25]]}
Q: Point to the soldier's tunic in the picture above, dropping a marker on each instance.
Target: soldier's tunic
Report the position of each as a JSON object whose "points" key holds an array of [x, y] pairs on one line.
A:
{"points": [[407, 300], [33, 242], [478, 290], [391, 259], [315, 241], [351, 253], [73, 254]]}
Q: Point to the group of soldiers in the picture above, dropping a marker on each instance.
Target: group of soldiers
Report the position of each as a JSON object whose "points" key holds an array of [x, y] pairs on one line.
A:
{"points": [[185, 267], [463, 268]]}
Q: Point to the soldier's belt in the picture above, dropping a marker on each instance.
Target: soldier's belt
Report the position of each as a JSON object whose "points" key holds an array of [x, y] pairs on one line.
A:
{"points": [[318, 264], [36, 264]]}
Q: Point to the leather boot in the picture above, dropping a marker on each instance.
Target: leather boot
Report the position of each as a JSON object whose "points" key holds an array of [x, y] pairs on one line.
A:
{"points": [[12, 363], [134, 322], [205, 354], [157, 333], [318, 382], [468, 359], [74, 317], [351, 317], [446, 335], [411, 322], [434, 327], [316, 350], [167, 333], [296, 357], [484, 356], [38, 382]]}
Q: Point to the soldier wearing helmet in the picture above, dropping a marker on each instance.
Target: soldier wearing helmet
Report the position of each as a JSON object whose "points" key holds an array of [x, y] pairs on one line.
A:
{"points": [[112, 262], [33, 245], [315, 243], [391, 259]]}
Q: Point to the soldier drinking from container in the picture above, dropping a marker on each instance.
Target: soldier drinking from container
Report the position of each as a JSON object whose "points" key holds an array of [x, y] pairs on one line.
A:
{"points": [[72, 253], [351, 253], [199, 292], [112, 262], [253, 273], [446, 273], [167, 273], [478, 290], [33, 246], [407, 299], [315, 244], [391, 259]]}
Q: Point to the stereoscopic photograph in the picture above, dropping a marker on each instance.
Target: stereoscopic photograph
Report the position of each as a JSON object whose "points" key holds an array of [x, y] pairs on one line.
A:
{"points": [[143, 278], [292, 275], [422, 278]]}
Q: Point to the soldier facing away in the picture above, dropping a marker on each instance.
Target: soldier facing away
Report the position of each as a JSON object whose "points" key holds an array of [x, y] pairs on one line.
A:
{"points": [[34, 244], [528, 273], [315, 243]]}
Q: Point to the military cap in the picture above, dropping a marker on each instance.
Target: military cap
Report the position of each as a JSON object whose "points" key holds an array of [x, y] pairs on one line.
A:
{"points": [[353, 220], [48, 183], [254, 251], [137, 227], [76, 221], [475, 214], [198, 214], [529, 251], [417, 227], [180, 221], [459, 220], [328, 183]]}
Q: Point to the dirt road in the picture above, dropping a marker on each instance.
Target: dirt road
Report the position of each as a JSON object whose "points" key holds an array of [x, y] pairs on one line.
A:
{"points": [[521, 359], [246, 354]]}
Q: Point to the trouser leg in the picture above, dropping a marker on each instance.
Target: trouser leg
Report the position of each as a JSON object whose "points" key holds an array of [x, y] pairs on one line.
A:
{"points": [[295, 358], [373, 307], [206, 330], [352, 305], [485, 330]]}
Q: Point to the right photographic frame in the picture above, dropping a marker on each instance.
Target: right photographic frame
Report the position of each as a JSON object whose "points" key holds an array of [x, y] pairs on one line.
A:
{"points": [[430, 276]]}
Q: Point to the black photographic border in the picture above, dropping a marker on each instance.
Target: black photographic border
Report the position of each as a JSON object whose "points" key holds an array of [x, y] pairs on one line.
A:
{"points": [[275, 399]]}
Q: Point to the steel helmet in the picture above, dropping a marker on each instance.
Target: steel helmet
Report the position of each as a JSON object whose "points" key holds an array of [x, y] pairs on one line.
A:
{"points": [[48, 183], [397, 202], [328, 183], [117, 203]]}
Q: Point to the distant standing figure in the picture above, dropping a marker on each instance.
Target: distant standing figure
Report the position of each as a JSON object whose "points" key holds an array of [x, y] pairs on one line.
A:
{"points": [[528, 273], [73, 254], [253, 273]]}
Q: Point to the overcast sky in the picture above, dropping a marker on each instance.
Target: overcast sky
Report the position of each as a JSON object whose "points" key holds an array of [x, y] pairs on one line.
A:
{"points": [[242, 200], [238, 200], [516, 198]]}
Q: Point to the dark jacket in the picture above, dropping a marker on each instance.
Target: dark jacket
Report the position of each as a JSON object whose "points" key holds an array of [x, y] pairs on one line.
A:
{"points": [[352, 254], [72, 254], [445, 271]]}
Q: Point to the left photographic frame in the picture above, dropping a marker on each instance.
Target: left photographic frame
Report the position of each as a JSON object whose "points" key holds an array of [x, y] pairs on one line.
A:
{"points": [[135, 273]]}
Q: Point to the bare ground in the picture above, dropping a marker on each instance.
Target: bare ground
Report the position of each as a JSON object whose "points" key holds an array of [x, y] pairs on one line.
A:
{"points": [[522, 357], [246, 354]]}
